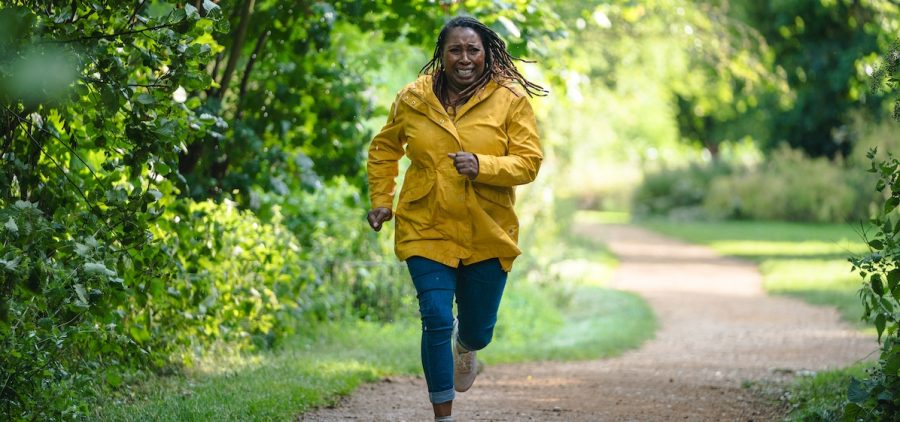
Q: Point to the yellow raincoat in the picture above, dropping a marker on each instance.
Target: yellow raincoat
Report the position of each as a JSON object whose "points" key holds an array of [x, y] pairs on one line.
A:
{"points": [[441, 214]]}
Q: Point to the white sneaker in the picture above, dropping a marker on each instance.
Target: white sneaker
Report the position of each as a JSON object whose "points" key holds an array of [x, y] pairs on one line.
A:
{"points": [[465, 366]]}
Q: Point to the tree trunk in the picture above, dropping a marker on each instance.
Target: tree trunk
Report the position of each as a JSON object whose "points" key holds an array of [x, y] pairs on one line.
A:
{"points": [[236, 47]]}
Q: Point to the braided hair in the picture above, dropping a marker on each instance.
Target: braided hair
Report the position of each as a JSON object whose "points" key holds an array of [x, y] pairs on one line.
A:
{"points": [[498, 64]]}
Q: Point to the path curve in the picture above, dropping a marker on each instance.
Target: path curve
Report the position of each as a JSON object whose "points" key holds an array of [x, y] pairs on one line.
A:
{"points": [[717, 331]]}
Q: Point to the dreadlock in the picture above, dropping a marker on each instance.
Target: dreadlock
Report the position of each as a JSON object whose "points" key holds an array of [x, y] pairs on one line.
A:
{"points": [[498, 63]]}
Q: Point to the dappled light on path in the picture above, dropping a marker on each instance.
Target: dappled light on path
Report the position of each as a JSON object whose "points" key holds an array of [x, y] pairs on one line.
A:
{"points": [[718, 334]]}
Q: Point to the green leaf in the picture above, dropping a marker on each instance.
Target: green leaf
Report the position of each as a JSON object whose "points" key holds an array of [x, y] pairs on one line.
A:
{"points": [[879, 325], [191, 11], [11, 225], [880, 185], [139, 333], [891, 204], [877, 285], [876, 244], [856, 392], [113, 377], [893, 276], [98, 268], [887, 304], [81, 292], [145, 98], [110, 98], [892, 364], [213, 11]]}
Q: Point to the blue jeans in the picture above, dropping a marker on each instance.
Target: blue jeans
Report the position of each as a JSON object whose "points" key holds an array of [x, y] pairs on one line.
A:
{"points": [[478, 288]]}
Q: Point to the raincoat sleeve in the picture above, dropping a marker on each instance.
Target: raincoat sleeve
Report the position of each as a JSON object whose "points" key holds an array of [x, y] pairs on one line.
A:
{"points": [[521, 164], [384, 153]]}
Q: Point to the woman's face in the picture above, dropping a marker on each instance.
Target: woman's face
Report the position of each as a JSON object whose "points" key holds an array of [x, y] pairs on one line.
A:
{"points": [[463, 57]]}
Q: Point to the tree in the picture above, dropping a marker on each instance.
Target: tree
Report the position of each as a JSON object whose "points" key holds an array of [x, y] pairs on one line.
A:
{"points": [[819, 46]]}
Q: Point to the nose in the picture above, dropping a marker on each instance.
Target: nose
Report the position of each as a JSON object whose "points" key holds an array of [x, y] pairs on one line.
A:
{"points": [[465, 58]]}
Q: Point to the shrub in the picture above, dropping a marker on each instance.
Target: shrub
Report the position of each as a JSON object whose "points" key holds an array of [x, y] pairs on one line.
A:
{"points": [[79, 314], [679, 191], [878, 397], [789, 186]]}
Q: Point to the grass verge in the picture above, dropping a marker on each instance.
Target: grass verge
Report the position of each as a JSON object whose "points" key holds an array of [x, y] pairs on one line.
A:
{"points": [[821, 397], [554, 319]]}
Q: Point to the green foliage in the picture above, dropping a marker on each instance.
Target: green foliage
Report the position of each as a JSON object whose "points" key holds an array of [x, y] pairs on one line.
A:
{"points": [[886, 77], [878, 396], [678, 192], [784, 188], [91, 127], [821, 396], [780, 188], [182, 173], [803, 35]]}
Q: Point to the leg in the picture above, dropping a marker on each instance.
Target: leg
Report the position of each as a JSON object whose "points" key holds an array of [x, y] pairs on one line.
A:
{"points": [[435, 285], [478, 299]]}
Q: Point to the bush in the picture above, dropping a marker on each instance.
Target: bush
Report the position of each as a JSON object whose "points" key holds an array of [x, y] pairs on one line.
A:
{"points": [[677, 192], [79, 314], [788, 187], [878, 397]]}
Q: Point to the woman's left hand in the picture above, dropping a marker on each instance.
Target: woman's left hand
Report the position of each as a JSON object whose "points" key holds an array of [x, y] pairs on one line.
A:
{"points": [[466, 163]]}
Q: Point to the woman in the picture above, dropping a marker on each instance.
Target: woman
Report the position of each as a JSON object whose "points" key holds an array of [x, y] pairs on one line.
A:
{"points": [[471, 136]]}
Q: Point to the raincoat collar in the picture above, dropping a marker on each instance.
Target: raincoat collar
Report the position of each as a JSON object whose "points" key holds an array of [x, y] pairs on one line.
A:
{"points": [[422, 88]]}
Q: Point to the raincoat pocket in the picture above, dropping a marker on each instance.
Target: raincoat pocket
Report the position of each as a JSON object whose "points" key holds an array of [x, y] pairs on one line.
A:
{"points": [[416, 207], [501, 196]]}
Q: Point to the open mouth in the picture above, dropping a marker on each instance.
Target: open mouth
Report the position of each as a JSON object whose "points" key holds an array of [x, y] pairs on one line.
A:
{"points": [[465, 73]]}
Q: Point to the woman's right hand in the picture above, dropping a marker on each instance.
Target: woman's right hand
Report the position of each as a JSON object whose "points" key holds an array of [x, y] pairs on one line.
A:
{"points": [[378, 216]]}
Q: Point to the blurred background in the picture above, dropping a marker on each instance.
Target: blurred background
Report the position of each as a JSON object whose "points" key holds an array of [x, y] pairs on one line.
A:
{"points": [[183, 183]]}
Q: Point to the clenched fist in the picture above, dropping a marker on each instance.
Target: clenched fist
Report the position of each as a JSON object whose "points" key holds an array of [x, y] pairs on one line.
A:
{"points": [[466, 163], [377, 216]]}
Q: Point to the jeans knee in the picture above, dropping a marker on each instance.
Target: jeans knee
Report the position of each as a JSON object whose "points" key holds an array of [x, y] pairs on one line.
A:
{"points": [[435, 316], [478, 342]]}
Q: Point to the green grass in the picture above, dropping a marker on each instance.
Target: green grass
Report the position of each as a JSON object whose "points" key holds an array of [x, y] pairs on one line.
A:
{"points": [[567, 316], [822, 396], [310, 370], [807, 261]]}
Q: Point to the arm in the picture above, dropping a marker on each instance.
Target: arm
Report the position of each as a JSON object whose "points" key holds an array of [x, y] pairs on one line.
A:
{"points": [[523, 160], [384, 152]]}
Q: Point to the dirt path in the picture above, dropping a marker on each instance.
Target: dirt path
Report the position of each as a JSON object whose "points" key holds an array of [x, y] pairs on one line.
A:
{"points": [[717, 331]]}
